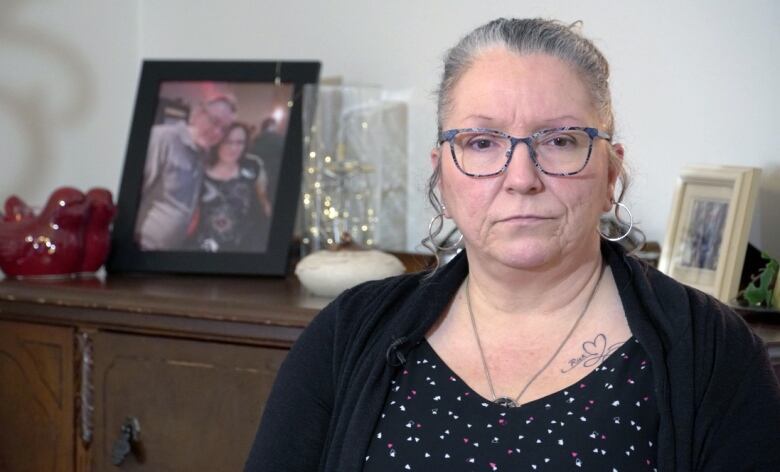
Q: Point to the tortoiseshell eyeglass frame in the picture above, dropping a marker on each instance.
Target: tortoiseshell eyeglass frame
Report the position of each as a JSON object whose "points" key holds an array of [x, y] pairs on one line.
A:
{"points": [[450, 134]]}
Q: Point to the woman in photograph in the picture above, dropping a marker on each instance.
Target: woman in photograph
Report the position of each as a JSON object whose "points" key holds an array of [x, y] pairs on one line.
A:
{"points": [[542, 345], [234, 210]]}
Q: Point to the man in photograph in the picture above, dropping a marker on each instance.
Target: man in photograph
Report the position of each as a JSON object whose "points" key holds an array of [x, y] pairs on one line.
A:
{"points": [[173, 173]]}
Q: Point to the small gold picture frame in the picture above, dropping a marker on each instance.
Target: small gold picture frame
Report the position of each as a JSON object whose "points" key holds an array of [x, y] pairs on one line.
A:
{"points": [[707, 236]]}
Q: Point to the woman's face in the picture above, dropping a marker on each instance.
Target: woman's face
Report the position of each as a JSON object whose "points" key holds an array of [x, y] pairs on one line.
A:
{"points": [[524, 218], [232, 148]]}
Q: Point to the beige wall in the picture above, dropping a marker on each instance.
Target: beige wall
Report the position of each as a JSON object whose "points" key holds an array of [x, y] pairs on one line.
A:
{"points": [[693, 82]]}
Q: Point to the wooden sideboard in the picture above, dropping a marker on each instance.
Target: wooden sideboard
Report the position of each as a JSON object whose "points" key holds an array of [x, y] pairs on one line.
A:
{"points": [[192, 359]]}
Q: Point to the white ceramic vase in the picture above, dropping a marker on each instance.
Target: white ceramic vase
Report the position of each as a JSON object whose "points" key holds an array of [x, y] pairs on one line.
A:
{"points": [[327, 273]]}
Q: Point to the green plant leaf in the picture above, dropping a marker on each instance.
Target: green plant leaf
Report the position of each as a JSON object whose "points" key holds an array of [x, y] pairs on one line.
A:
{"points": [[759, 291]]}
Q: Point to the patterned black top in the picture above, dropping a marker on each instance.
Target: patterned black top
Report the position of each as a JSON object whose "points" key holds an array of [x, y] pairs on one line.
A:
{"points": [[433, 421], [230, 218]]}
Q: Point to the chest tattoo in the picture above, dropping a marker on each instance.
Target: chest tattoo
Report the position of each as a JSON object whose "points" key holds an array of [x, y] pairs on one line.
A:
{"points": [[593, 353]]}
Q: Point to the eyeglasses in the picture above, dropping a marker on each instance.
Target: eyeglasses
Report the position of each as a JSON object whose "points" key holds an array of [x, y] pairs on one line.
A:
{"points": [[234, 142], [483, 152], [217, 122]]}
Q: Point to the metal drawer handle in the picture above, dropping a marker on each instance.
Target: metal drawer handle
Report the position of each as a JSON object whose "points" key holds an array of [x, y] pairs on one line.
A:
{"points": [[129, 436]]}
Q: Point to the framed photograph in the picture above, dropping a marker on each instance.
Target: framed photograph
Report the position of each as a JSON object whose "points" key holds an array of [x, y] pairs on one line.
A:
{"points": [[706, 239], [212, 174]]}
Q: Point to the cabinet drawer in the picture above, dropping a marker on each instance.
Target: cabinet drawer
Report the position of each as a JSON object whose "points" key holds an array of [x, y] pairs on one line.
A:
{"points": [[198, 403]]}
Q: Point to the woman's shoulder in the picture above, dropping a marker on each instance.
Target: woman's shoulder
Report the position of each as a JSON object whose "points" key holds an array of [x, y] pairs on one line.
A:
{"points": [[678, 310], [373, 296], [709, 320], [403, 304], [252, 163], [357, 314]]}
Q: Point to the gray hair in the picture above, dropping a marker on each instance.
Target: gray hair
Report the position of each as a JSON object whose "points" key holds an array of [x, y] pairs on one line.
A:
{"points": [[525, 37]]}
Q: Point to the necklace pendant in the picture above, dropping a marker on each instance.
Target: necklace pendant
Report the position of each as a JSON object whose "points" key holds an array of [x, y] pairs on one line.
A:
{"points": [[505, 402]]}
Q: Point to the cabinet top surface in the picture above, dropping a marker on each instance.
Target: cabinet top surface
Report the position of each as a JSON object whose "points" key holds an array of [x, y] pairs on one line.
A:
{"points": [[280, 302], [256, 301]]}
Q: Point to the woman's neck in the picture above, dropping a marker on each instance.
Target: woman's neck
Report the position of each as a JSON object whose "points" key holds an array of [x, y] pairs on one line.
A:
{"points": [[506, 293]]}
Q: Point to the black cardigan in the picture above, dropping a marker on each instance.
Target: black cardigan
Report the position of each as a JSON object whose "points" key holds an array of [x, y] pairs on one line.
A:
{"points": [[718, 399]]}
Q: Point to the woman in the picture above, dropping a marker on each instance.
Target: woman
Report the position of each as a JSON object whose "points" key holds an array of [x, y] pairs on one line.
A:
{"points": [[234, 207], [541, 346]]}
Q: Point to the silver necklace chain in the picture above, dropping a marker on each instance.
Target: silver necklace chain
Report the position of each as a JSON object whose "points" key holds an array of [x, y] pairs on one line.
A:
{"points": [[505, 401]]}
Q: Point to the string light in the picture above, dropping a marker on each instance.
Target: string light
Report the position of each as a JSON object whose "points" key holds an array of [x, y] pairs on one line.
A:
{"points": [[338, 189]]}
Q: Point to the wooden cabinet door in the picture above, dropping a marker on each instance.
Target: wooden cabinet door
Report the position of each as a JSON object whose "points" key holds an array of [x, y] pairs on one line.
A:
{"points": [[198, 403], [36, 398]]}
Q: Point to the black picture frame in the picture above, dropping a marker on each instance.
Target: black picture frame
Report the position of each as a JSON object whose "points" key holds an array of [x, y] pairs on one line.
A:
{"points": [[127, 251]]}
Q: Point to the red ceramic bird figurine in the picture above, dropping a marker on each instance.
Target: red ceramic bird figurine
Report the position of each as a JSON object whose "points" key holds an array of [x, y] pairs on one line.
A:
{"points": [[70, 234]]}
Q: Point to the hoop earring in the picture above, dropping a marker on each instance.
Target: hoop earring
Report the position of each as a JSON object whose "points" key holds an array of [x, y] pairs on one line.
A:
{"points": [[439, 221], [630, 223]]}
